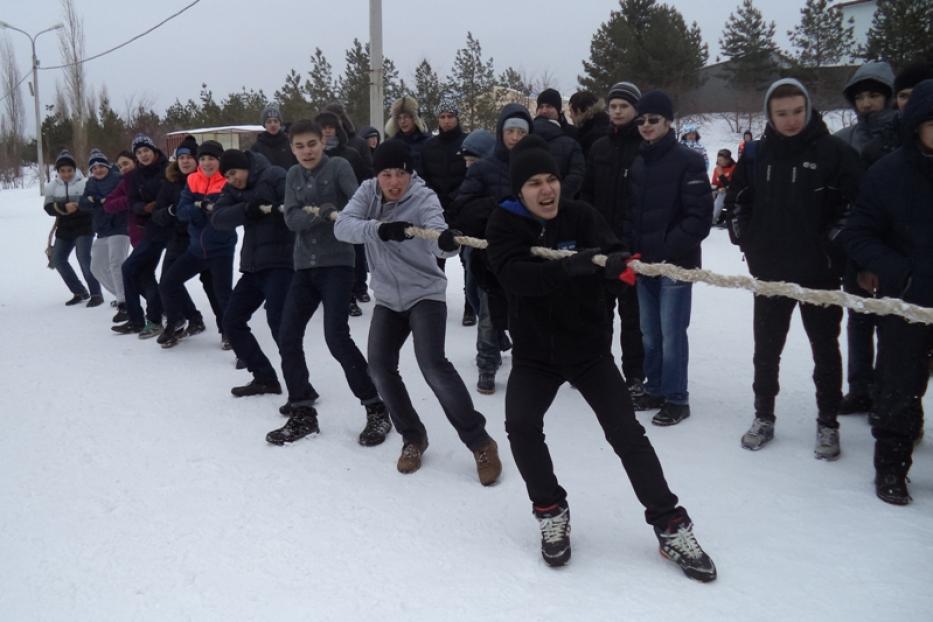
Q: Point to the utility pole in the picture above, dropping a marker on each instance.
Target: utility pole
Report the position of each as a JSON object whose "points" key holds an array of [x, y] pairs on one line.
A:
{"points": [[376, 72], [40, 158]]}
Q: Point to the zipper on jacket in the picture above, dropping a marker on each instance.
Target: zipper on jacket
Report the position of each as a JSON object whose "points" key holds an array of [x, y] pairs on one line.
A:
{"points": [[768, 174], [793, 175]]}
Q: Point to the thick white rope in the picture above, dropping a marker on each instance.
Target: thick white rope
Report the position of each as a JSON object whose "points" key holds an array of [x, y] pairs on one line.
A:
{"points": [[821, 297]]}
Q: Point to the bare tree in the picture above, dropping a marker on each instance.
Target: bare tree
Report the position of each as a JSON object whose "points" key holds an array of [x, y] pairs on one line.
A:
{"points": [[13, 111], [71, 46]]}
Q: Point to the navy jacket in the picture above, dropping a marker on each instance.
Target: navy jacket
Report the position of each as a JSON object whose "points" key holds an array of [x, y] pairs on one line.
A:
{"points": [[267, 242], [92, 202], [276, 149], [143, 186], [444, 169], [672, 204]]}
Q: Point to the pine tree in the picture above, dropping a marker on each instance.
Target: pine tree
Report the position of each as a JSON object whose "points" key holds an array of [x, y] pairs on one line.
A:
{"points": [[646, 43], [821, 38], [472, 82], [244, 106], [106, 130], [353, 85], [393, 87], [748, 43], [520, 85], [901, 31], [209, 114], [320, 87], [428, 92], [291, 99]]}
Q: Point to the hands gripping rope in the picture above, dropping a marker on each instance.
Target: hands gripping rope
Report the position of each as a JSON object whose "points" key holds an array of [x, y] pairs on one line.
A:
{"points": [[824, 298]]}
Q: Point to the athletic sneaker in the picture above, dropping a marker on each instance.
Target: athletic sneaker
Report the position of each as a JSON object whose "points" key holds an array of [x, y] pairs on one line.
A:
{"points": [[554, 522], [678, 544], [759, 435], [150, 330]]}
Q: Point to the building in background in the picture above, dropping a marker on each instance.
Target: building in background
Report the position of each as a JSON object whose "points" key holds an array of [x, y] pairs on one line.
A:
{"points": [[860, 12], [230, 136]]}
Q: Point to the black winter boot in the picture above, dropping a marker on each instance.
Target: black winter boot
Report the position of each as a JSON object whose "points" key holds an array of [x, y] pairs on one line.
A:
{"points": [[257, 387], [302, 423], [377, 425]]}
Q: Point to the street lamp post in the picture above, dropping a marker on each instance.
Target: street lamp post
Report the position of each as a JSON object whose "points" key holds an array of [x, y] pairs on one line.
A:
{"points": [[35, 94]]}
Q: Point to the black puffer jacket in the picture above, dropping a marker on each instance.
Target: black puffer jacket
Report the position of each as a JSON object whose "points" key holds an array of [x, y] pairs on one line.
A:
{"points": [[890, 231], [267, 241], [143, 186], [567, 153], [607, 185], [553, 318], [788, 198], [444, 170], [593, 125], [276, 149], [672, 204], [166, 204]]}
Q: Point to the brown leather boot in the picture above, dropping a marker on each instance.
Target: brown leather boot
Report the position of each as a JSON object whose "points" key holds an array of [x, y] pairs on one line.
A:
{"points": [[488, 465], [410, 459]]}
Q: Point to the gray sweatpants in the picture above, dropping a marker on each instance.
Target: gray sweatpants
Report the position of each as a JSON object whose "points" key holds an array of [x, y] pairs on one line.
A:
{"points": [[107, 256]]}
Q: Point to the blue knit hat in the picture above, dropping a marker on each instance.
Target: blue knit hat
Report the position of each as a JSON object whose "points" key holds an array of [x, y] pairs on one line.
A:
{"points": [[97, 157]]}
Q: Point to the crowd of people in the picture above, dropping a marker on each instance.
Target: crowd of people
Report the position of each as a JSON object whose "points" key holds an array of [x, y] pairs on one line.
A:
{"points": [[323, 208]]}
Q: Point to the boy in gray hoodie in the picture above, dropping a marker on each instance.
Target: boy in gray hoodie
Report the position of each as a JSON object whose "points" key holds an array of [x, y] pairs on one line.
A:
{"points": [[315, 189], [410, 294]]}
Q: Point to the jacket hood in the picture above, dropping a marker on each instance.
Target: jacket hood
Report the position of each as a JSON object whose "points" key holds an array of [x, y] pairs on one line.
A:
{"points": [[581, 119], [345, 122], [258, 163], [547, 129], [331, 119], [479, 143], [509, 111], [919, 107], [407, 105], [369, 131], [879, 72], [791, 82]]}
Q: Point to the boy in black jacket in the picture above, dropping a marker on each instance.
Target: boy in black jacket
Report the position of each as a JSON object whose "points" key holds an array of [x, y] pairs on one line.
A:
{"points": [[788, 195], [562, 331]]}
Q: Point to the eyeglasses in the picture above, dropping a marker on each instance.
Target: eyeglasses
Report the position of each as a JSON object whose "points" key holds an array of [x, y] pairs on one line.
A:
{"points": [[649, 120]]}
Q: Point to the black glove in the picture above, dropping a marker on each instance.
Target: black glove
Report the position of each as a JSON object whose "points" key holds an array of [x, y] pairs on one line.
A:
{"points": [[581, 263], [394, 231], [325, 211], [616, 264], [253, 209], [446, 241]]}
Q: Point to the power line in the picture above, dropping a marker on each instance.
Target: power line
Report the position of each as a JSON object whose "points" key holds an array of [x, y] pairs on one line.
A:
{"points": [[125, 43], [13, 90]]}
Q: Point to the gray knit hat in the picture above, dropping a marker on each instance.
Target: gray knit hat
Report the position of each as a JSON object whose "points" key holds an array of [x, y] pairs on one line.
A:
{"points": [[447, 104], [97, 157], [271, 111], [624, 90]]}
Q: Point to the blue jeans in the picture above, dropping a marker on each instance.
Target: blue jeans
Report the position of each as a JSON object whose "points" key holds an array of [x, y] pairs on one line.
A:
{"points": [[427, 323], [254, 288], [470, 290], [488, 338], [310, 288], [60, 253], [664, 315], [139, 280]]}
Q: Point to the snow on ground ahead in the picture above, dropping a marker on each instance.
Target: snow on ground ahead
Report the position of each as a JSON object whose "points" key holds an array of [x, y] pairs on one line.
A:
{"points": [[134, 487]]}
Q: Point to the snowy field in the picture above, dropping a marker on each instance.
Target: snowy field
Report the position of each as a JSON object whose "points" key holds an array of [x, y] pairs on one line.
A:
{"points": [[134, 487]]}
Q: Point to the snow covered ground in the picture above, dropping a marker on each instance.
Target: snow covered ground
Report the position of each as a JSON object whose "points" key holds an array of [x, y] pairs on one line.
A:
{"points": [[134, 487]]}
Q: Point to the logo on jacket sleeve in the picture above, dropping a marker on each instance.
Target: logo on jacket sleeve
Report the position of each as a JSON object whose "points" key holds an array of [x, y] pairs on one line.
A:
{"points": [[568, 245]]}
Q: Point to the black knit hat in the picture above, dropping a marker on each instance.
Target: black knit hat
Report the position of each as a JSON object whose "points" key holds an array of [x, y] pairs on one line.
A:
{"points": [[141, 140], [211, 148], [552, 97], [624, 90], [65, 159], [912, 75], [327, 118], [656, 102], [528, 158], [392, 154], [188, 146], [233, 159]]}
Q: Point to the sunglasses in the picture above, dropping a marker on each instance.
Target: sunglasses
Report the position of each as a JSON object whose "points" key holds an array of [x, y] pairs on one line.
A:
{"points": [[649, 120]]}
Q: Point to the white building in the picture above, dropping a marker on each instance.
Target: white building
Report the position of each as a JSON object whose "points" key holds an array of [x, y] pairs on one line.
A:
{"points": [[861, 13]]}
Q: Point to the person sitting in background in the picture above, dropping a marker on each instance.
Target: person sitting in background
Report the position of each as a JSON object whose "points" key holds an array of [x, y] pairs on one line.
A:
{"points": [[722, 177]]}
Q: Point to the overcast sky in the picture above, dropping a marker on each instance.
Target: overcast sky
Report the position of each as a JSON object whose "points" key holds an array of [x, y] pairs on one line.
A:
{"points": [[234, 43]]}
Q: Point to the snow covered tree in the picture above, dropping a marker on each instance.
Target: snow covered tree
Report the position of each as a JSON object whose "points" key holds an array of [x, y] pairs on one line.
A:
{"points": [[428, 91], [822, 37], [647, 43], [901, 31], [748, 43], [471, 82]]}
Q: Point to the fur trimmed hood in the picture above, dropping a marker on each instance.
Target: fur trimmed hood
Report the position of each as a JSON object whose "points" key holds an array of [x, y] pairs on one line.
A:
{"points": [[408, 105], [589, 113]]}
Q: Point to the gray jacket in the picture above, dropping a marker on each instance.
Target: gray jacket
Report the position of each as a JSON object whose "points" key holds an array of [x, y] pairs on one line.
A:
{"points": [[403, 273], [331, 182]]}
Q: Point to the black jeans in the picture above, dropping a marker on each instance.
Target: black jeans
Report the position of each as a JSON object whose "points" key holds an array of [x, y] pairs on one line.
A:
{"points": [[633, 350], [309, 289], [530, 392], [860, 337], [903, 375], [191, 313], [139, 280], [426, 321], [254, 288], [172, 287], [360, 270], [822, 324]]}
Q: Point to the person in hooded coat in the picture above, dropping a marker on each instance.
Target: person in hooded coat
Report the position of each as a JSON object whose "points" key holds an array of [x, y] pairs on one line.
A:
{"points": [[589, 117], [789, 194], [355, 140], [566, 150], [273, 142], [406, 125], [74, 230], [890, 234]]}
